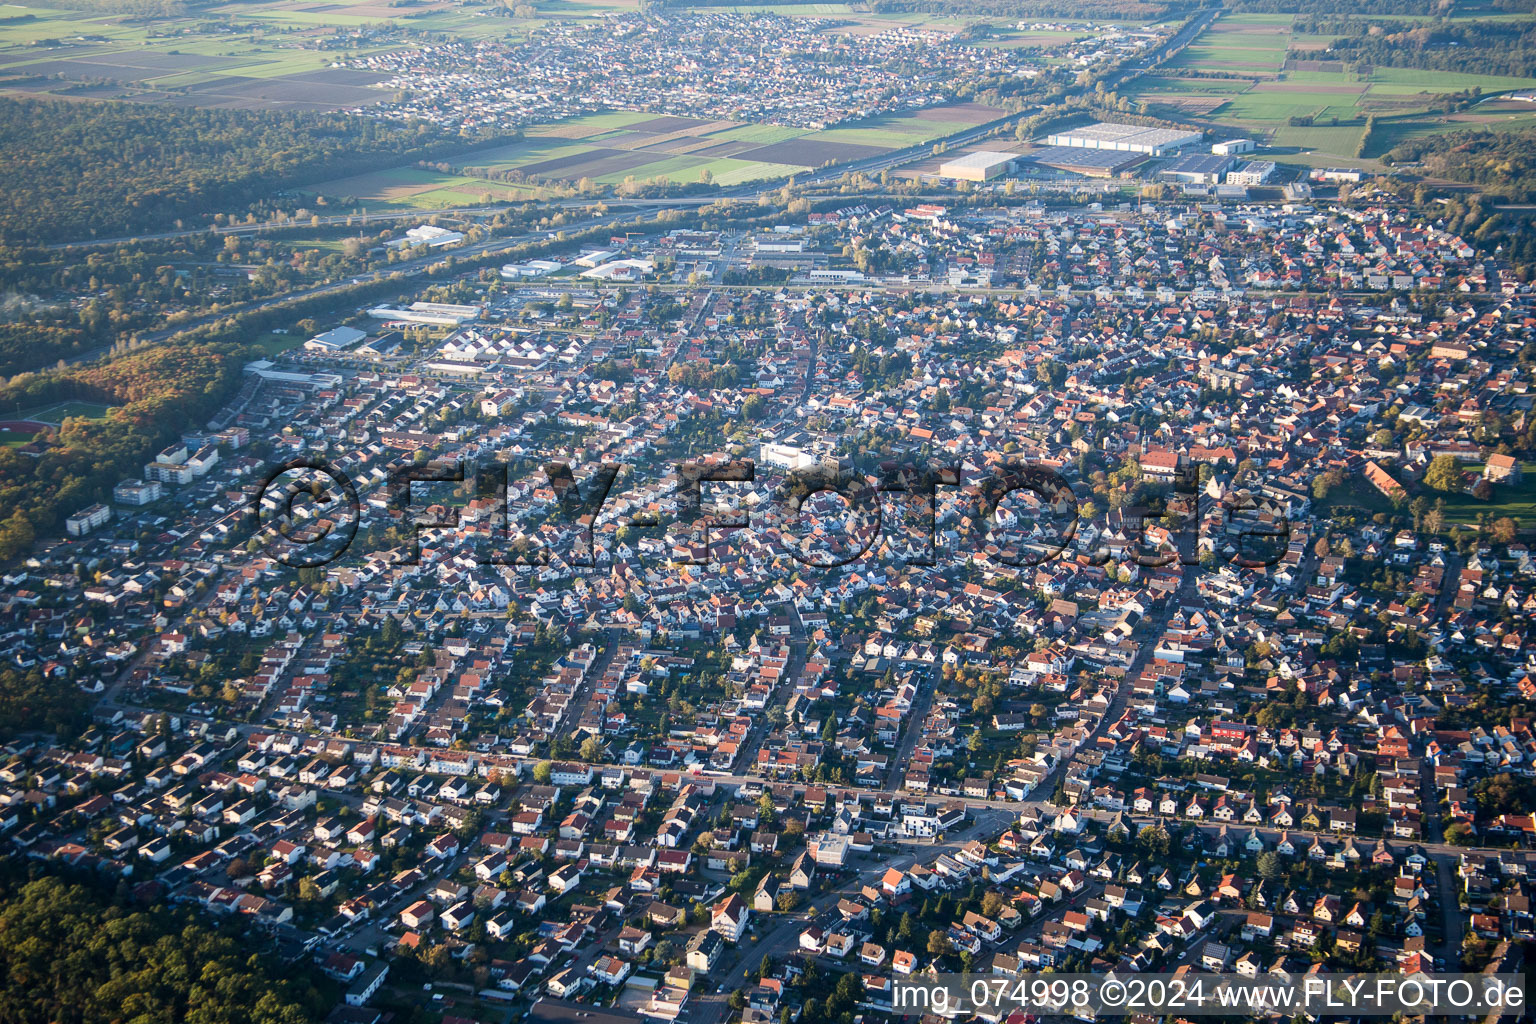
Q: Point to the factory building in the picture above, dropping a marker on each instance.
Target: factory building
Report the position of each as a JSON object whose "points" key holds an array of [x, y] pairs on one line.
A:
{"points": [[1197, 169], [1125, 138], [1232, 147], [1092, 163], [981, 166], [335, 340]]}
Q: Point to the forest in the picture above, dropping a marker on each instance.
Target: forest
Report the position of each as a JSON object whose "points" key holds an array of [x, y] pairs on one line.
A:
{"points": [[70, 955], [1471, 47], [160, 390], [1500, 163], [83, 170]]}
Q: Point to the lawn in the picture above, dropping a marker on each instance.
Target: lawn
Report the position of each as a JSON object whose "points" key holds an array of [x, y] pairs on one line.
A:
{"points": [[1518, 502], [273, 344], [1411, 81]]}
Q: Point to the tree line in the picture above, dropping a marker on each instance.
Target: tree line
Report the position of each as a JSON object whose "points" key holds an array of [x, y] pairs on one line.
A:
{"points": [[1502, 164], [1470, 47], [81, 170]]}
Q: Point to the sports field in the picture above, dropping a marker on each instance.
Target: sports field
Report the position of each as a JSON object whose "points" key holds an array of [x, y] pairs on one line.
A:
{"points": [[56, 413]]}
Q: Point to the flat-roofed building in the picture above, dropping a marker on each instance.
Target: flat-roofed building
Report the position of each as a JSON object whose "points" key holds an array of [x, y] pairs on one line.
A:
{"points": [[1093, 163], [1197, 169], [335, 339], [980, 166], [87, 519], [1255, 172], [136, 492], [1125, 138]]}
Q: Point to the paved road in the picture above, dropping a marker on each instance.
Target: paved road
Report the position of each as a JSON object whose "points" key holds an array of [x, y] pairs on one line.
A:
{"points": [[778, 935]]}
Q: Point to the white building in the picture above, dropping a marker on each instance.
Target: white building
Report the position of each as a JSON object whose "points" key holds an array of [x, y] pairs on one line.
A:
{"points": [[1127, 138], [87, 519], [533, 268], [137, 492], [429, 235], [1232, 147], [979, 166], [336, 339], [620, 270], [786, 457], [439, 313], [1255, 172]]}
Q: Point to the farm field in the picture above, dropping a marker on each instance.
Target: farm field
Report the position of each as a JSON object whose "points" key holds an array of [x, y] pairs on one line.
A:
{"points": [[1261, 92], [72, 53], [612, 147], [423, 189]]}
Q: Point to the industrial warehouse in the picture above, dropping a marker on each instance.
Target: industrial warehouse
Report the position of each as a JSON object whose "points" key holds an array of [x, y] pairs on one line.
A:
{"points": [[980, 166], [1092, 163], [1124, 138]]}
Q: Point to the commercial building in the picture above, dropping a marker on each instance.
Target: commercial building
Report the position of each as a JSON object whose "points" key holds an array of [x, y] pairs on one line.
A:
{"points": [[336, 339], [1197, 169], [1255, 172], [1125, 138], [429, 235], [1337, 174], [533, 268], [1232, 147], [1093, 163], [443, 314], [981, 166]]}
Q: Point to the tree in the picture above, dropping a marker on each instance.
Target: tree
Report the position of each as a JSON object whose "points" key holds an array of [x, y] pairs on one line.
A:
{"points": [[1504, 530], [309, 890], [1269, 866], [1461, 834], [591, 750], [939, 944], [1154, 839], [787, 900], [1443, 474], [1434, 519], [543, 772], [904, 929]]}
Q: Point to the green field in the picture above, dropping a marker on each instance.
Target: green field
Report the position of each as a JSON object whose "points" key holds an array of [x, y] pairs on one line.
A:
{"points": [[274, 344], [614, 147], [1259, 95], [1518, 502], [59, 411]]}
